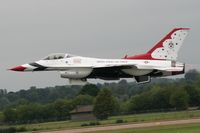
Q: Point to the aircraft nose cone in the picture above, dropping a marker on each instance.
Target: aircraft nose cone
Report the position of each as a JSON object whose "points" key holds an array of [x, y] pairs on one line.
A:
{"points": [[18, 68]]}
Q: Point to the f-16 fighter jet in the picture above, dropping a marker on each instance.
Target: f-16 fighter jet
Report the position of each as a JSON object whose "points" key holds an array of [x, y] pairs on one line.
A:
{"points": [[159, 61]]}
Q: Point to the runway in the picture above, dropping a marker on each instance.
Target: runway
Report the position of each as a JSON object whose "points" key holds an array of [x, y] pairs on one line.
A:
{"points": [[127, 126]]}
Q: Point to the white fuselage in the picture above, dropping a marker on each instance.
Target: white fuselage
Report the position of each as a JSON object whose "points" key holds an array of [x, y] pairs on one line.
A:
{"points": [[158, 61], [86, 65], [77, 68], [85, 62]]}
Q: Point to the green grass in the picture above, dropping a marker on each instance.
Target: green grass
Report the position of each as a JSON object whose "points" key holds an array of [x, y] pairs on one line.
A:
{"points": [[189, 128], [149, 117]]}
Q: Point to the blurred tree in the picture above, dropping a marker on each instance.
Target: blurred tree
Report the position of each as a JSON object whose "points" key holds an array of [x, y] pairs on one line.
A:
{"points": [[191, 75], [89, 89], [179, 99], [3, 92], [82, 100], [4, 102], [2, 117], [194, 95], [160, 97], [105, 104], [62, 109], [10, 115]]}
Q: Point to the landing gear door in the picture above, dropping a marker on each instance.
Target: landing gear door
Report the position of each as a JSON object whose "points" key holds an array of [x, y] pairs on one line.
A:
{"points": [[142, 79]]}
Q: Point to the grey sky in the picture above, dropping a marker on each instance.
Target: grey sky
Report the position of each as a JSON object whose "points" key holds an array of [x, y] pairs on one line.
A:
{"points": [[31, 29]]}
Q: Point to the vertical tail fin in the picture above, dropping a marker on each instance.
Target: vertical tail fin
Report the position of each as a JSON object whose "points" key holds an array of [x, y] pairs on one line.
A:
{"points": [[167, 48]]}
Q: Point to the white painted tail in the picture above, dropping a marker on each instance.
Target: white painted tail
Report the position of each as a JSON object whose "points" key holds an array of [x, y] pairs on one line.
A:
{"points": [[168, 47]]}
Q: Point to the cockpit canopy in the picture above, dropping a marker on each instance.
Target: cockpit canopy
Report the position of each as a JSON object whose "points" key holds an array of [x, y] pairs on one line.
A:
{"points": [[58, 56]]}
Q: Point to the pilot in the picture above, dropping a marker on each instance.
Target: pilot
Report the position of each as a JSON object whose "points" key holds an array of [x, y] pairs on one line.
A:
{"points": [[55, 57], [60, 57]]}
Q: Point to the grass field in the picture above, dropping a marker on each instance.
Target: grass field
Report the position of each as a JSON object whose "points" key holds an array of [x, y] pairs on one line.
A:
{"points": [[149, 117], [189, 128]]}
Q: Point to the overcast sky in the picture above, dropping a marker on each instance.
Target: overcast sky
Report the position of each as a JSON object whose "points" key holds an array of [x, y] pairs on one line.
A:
{"points": [[32, 29]]}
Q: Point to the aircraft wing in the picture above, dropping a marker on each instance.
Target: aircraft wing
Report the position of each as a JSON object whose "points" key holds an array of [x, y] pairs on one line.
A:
{"points": [[142, 67], [115, 66]]}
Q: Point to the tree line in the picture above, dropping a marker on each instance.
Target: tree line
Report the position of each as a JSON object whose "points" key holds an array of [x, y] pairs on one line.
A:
{"points": [[55, 103]]}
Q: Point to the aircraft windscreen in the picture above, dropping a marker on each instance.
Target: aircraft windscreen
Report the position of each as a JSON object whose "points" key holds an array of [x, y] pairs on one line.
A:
{"points": [[69, 56], [55, 56]]}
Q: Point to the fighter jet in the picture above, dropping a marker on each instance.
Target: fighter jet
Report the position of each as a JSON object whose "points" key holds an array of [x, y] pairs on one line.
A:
{"points": [[159, 61]]}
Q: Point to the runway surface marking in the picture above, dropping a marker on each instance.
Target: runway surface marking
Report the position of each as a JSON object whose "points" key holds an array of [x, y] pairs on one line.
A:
{"points": [[127, 126]]}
